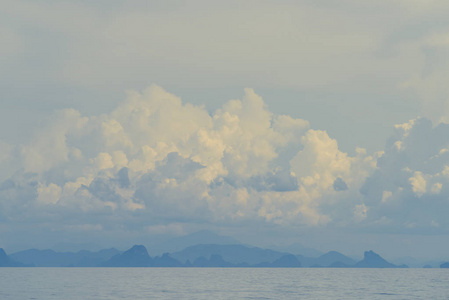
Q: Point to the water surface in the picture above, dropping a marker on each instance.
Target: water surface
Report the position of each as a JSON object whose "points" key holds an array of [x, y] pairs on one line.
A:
{"points": [[222, 283]]}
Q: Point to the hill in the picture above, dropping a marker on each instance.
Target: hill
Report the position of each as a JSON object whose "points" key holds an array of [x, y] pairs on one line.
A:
{"points": [[373, 260], [6, 261], [234, 254], [137, 256]]}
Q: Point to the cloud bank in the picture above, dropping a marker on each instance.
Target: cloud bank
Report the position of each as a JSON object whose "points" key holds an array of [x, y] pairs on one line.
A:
{"points": [[155, 162]]}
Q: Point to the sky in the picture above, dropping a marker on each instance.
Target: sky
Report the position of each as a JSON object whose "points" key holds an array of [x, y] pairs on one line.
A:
{"points": [[318, 122]]}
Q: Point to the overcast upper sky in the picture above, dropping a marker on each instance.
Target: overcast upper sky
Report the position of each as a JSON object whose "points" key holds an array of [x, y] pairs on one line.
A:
{"points": [[320, 122]]}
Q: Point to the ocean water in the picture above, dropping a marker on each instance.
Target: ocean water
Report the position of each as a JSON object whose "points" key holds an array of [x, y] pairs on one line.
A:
{"points": [[222, 283]]}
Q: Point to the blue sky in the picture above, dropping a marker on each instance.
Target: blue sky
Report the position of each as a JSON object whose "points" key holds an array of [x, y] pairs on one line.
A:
{"points": [[272, 121]]}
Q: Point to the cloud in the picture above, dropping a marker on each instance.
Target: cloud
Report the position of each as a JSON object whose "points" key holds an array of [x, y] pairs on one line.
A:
{"points": [[419, 184], [157, 164], [51, 149], [340, 185], [49, 194], [410, 184], [154, 161], [360, 212]]}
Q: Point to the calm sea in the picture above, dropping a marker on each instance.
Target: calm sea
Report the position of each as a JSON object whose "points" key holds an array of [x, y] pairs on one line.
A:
{"points": [[232, 283]]}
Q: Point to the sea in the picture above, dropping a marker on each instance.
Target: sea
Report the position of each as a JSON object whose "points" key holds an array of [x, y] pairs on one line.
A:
{"points": [[222, 283]]}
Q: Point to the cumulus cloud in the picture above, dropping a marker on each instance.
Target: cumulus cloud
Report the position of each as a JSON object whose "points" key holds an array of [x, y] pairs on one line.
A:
{"points": [[159, 164], [410, 185], [50, 149], [419, 184], [154, 161], [360, 212], [48, 194]]}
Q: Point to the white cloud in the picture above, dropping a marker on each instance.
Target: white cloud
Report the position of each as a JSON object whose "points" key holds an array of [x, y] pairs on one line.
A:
{"points": [[321, 165], [436, 188], [103, 161], [161, 158], [386, 195], [50, 149], [320, 162], [408, 178], [48, 194], [419, 183], [360, 212], [155, 161]]}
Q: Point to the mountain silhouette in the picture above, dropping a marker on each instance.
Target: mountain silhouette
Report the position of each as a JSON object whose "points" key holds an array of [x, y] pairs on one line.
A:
{"points": [[202, 255], [215, 261], [5, 261], [234, 254], [333, 258], [137, 256], [166, 261], [373, 260]]}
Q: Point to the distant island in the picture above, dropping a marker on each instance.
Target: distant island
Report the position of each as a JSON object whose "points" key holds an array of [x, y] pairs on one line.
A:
{"points": [[202, 249], [199, 256]]}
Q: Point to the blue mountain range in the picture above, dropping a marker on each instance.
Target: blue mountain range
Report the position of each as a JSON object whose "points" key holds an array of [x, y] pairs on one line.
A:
{"points": [[203, 255]]}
